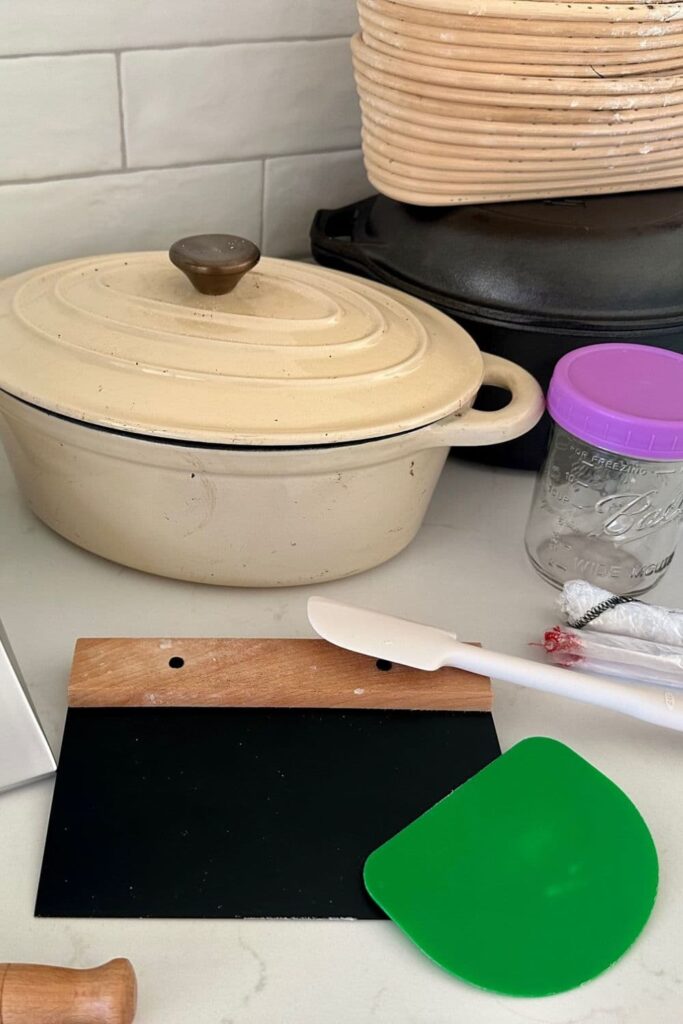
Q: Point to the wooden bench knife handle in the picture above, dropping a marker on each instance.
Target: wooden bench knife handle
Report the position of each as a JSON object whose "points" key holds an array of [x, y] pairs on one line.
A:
{"points": [[38, 994]]}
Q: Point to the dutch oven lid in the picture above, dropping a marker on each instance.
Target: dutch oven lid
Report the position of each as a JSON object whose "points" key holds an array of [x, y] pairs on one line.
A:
{"points": [[288, 354], [593, 264]]}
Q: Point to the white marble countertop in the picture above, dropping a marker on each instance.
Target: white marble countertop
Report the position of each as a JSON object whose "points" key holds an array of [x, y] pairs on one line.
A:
{"points": [[466, 571]]}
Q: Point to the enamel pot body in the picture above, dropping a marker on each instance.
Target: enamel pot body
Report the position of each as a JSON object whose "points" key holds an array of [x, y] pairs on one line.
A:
{"points": [[240, 516]]}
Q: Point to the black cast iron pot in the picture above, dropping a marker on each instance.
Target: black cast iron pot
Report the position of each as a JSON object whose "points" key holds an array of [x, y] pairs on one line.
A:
{"points": [[530, 281]]}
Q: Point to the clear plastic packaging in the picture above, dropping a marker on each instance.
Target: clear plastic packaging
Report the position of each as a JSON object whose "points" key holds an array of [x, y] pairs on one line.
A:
{"points": [[621, 656], [617, 636]]}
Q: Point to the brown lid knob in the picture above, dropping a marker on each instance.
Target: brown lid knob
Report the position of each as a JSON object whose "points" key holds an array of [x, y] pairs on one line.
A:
{"points": [[214, 263]]}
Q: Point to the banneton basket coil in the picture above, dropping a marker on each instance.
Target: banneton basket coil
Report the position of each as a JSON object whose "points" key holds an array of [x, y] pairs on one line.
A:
{"points": [[523, 99]]}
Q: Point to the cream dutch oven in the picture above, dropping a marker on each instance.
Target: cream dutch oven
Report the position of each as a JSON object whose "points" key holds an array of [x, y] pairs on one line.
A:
{"points": [[270, 428]]}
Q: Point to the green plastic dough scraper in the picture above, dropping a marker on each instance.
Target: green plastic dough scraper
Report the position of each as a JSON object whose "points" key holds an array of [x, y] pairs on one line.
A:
{"points": [[531, 878]]}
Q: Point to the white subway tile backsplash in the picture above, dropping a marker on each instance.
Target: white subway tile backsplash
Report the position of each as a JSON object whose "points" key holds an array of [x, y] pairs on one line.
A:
{"points": [[296, 186], [37, 26], [143, 210], [58, 115], [197, 108], [236, 102]]}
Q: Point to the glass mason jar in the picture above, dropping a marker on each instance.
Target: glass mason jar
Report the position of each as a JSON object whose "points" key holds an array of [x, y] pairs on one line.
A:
{"points": [[608, 503]]}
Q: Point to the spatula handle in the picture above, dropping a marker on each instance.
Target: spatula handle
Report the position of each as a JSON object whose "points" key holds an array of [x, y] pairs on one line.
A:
{"points": [[38, 994], [659, 705]]}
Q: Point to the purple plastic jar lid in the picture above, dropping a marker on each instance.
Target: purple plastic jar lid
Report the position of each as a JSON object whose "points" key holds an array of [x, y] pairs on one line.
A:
{"points": [[624, 398]]}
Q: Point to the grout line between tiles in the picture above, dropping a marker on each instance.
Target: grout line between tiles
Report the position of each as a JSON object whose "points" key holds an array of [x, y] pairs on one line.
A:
{"points": [[122, 120], [161, 47], [262, 241], [127, 170]]}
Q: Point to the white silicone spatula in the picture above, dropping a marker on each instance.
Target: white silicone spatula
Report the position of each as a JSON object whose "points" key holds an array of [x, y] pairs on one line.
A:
{"points": [[409, 643]]}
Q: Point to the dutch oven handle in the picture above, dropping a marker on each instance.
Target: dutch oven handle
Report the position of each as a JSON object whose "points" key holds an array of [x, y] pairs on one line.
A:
{"points": [[474, 427], [332, 242]]}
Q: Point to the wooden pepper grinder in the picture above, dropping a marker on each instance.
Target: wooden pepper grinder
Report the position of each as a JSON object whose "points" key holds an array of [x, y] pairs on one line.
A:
{"points": [[37, 994]]}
